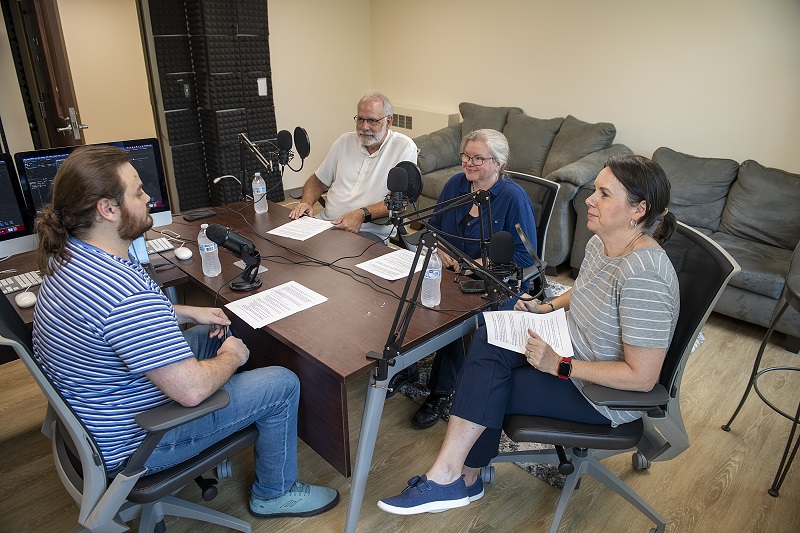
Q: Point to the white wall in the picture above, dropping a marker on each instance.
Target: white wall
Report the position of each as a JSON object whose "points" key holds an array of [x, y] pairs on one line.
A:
{"points": [[716, 78], [12, 110], [105, 54], [320, 54]]}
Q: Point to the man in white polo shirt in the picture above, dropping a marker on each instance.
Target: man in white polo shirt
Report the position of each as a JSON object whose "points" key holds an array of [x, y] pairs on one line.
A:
{"points": [[355, 171]]}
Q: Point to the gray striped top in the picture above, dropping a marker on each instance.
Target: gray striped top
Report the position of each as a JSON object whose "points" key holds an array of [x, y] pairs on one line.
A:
{"points": [[632, 299]]}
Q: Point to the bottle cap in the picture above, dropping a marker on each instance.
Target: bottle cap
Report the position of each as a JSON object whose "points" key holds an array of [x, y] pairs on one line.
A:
{"points": [[203, 226]]}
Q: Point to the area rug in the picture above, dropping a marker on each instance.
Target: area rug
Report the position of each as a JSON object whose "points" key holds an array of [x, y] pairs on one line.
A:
{"points": [[548, 473]]}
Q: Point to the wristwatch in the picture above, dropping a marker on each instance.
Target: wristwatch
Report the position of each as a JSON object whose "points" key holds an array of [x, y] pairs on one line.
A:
{"points": [[367, 214], [550, 303], [565, 367]]}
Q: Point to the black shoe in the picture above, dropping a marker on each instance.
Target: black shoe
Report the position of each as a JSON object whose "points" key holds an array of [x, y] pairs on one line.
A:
{"points": [[405, 376], [427, 415]]}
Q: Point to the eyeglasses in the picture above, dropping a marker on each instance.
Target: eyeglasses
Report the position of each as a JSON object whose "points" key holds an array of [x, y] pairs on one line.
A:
{"points": [[370, 121], [476, 160]]}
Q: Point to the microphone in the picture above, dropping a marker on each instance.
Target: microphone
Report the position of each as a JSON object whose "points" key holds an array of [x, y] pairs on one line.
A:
{"points": [[284, 144], [240, 246], [501, 257], [397, 182]]}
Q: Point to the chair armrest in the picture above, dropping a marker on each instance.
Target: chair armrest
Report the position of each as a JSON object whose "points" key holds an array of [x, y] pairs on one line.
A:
{"points": [[794, 264], [586, 169], [161, 419], [625, 400]]}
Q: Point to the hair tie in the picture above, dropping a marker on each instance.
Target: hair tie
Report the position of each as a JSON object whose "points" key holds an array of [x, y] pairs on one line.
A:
{"points": [[666, 210]]}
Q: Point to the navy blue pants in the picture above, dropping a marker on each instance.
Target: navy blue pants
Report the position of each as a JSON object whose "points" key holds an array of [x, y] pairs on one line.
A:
{"points": [[496, 382]]}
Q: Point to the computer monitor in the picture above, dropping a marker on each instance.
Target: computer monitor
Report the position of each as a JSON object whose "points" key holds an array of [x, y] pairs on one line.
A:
{"points": [[37, 170], [16, 218]]}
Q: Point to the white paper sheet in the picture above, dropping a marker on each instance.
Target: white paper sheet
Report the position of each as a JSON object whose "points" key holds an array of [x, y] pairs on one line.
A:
{"points": [[391, 266], [301, 229], [509, 329], [273, 304]]}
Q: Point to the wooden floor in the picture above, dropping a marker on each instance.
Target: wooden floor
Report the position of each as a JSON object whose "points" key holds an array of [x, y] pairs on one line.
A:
{"points": [[719, 484]]}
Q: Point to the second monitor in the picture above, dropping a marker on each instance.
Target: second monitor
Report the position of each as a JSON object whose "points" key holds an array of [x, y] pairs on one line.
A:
{"points": [[37, 170]]}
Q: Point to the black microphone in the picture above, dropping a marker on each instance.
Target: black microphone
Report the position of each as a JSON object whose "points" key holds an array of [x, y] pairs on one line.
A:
{"points": [[501, 256], [397, 182], [284, 144], [240, 246]]}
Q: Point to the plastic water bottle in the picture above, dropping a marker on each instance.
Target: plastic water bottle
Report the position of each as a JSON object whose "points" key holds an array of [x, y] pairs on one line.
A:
{"points": [[208, 253], [260, 193], [432, 282]]}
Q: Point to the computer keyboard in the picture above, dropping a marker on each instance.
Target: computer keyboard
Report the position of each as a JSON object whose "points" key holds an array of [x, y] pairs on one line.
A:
{"points": [[20, 281], [161, 244]]}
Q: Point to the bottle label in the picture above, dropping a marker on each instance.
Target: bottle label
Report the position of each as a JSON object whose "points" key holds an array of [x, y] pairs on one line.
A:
{"points": [[259, 190], [433, 273], [209, 247]]}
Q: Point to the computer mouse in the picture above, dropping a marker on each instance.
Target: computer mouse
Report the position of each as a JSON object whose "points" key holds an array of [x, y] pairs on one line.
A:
{"points": [[25, 299], [183, 253]]}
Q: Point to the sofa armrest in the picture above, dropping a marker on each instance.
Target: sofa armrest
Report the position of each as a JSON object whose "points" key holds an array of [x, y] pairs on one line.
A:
{"points": [[439, 149], [586, 169], [794, 263]]}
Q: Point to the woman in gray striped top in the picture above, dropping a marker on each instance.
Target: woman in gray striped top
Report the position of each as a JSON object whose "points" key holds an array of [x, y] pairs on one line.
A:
{"points": [[621, 314]]}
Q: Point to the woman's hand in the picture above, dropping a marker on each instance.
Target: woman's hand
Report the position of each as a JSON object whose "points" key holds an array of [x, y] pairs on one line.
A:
{"points": [[447, 261], [540, 355], [532, 306]]}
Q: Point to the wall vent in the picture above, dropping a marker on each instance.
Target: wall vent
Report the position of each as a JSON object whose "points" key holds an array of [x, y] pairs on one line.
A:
{"points": [[403, 121], [415, 121]]}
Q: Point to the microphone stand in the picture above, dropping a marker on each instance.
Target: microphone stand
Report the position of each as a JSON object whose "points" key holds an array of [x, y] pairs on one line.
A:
{"points": [[248, 279], [245, 142]]}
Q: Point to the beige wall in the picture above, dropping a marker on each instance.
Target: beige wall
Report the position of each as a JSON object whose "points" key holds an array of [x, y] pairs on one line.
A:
{"points": [[320, 54], [711, 78], [12, 110], [104, 48]]}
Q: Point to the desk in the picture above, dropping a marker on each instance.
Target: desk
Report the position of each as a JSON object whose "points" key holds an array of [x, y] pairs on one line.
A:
{"points": [[326, 344]]}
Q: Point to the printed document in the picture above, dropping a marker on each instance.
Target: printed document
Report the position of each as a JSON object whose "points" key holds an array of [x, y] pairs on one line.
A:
{"points": [[391, 266], [509, 329], [301, 229], [271, 305]]}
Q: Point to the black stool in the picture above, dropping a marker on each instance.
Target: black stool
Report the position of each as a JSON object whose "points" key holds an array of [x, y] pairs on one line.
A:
{"points": [[790, 297]]}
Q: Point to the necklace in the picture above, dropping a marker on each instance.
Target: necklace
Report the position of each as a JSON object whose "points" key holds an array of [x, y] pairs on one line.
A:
{"points": [[630, 244]]}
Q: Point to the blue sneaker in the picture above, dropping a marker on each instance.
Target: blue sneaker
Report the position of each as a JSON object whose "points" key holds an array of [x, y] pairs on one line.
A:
{"points": [[424, 496], [475, 491], [300, 500]]}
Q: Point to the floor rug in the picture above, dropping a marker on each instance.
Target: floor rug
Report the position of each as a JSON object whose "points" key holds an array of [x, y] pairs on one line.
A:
{"points": [[548, 473]]}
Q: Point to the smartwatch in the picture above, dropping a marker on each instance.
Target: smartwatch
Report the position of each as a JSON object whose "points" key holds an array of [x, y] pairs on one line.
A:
{"points": [[565, 367], [367, 214]]}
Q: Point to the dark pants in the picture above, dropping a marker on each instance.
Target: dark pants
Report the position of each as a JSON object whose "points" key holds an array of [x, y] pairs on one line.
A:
{"points": [[496, 382]]}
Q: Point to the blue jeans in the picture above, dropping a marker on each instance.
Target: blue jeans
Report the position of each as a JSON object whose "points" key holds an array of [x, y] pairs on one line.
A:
{"points": [[267, 397]]}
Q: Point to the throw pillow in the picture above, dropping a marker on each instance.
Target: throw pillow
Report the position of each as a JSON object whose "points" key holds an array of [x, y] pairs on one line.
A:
{"points": [[439, 149], [529, 140], [577, 139], [762, 206], [700, 186], [478, 117]]}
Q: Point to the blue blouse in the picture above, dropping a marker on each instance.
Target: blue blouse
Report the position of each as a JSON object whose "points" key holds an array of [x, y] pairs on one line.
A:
{"points": [[509, 204]]}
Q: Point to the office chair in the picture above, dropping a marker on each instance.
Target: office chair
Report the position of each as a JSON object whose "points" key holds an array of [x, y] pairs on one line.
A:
{"points": [[297, 193], [106, 504], [704, 269]]}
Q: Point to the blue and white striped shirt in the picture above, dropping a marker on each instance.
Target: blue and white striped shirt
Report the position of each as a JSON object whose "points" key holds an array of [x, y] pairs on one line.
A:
{"points": [[632, 299], [99, 324]]}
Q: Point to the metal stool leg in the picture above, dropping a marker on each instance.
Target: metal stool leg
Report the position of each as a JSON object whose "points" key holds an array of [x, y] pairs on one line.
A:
{"points": [[782, 305], [783, 469]]}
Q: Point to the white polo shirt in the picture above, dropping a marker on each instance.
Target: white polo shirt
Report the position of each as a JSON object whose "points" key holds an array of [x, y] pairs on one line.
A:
{"points": [[357, 178]]}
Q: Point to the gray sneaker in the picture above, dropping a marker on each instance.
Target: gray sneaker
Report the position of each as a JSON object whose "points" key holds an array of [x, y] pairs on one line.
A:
{"points": [[300, 500]]}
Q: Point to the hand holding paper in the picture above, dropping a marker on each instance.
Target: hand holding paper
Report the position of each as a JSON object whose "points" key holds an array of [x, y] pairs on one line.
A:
{"points": [[509, 329]]}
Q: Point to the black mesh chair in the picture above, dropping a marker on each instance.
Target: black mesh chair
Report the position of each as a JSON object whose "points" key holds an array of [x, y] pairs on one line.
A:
{"points": [[107, 503], [703, 269]]}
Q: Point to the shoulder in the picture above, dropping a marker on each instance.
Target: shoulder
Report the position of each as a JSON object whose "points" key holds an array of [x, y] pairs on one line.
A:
{"points": [[649, 267], [400, 138]]}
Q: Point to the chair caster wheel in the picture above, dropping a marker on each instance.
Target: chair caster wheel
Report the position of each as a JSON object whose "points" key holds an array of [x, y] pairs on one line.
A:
{"points": [[640, 462], [487, 474], [161, 527], [224, 469]]}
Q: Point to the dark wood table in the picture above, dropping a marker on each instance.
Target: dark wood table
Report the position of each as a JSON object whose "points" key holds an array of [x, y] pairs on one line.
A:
{"points": [[326, 345]]}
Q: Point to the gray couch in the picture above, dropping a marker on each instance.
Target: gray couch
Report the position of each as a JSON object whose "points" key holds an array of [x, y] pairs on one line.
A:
{"points": [[750, 210], [565, 150]]}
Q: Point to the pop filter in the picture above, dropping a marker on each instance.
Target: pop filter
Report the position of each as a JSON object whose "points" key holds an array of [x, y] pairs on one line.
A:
{"points": [[414, 188], [501, 248], [301, 142]]}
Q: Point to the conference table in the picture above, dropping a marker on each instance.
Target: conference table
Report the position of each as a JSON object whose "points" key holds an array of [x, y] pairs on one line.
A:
{"points": [[327, 345]]}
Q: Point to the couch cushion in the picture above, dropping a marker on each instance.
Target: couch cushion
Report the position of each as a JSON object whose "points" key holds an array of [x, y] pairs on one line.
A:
{"points": [[434, 181], [478, 117], [576, 139], [529, 140], [439, 149], [763, 206], [763, 267], [700, 186]]}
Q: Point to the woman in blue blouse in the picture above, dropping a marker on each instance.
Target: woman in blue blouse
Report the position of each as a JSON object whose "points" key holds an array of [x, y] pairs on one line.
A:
{"points": [[484, 155]]}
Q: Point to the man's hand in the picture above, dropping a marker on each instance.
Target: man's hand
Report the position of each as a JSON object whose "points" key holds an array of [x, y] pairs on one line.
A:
{"points": [[236, 347], [300, 210], [350, 221]]}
